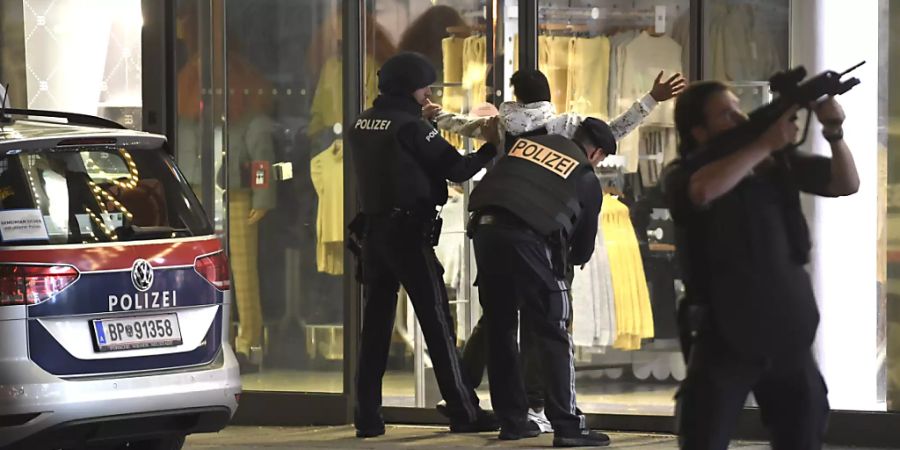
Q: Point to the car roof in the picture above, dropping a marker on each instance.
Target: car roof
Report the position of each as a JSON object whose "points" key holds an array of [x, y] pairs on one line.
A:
{"points": [[29, 133]]}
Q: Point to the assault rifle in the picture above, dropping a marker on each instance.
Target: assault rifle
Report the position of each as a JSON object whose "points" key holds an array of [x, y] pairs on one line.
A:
{"points": [[790, 92]]}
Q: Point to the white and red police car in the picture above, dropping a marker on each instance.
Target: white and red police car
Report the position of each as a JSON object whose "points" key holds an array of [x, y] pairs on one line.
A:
{"points": [[114, 291]]}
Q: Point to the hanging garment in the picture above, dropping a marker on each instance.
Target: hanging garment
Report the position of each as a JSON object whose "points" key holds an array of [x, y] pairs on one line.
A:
{"points": [[557, 70], [474, 78], [634, 314], [593, 301], [327, 173], [644, 58], [453, 47], [681, 33], [657, 148], [745, 45], [450, 252], [516, 54], [453, 98], [588, 73], [616, 44], [327, 106]]}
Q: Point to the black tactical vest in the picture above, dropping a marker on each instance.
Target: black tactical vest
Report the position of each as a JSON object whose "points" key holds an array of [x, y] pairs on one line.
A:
{"points": [[538, 182], [387, 175], [509, 139]]}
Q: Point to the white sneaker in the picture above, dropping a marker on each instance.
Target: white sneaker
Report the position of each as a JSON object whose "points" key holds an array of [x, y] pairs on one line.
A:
{"points": [[540, 418]]}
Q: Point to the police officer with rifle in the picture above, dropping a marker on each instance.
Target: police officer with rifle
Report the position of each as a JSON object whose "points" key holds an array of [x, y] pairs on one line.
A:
{"points": [[750, 315], [402, 165]]}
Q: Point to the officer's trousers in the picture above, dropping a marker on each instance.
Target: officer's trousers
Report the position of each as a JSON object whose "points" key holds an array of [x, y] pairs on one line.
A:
{"points": [[514, 274], [395, 253], [790, 392], [475, 357]]}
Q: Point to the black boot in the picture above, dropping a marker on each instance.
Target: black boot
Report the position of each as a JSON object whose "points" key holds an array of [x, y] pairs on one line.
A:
{"points": [[525, 430], [369, 426], [369, 432], [485, 422], [580, 438]]}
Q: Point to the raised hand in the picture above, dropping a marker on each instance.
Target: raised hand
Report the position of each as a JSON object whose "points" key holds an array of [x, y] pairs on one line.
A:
{"points": [[665, 90]]}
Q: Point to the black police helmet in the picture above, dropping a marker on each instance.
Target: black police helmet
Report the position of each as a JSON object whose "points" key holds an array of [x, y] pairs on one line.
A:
{"points": [[600, 134], [404, 73]]}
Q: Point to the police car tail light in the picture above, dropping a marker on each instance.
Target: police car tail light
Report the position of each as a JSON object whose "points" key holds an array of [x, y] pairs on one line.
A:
{"points": [[30, 285], [214, 268]]}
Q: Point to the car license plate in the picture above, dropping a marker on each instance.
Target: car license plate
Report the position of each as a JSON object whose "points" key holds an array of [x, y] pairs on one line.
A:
{"points": [[128, 333]]}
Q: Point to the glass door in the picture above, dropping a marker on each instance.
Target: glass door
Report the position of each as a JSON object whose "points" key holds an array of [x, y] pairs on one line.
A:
{"points": [[258, 123], [601, 58]]}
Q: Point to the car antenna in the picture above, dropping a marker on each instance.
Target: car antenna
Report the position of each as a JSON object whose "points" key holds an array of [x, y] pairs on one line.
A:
{"points": [[4, 119]]}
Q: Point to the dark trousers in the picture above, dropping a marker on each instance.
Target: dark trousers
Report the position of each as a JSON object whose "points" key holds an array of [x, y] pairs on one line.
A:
{"points": [[475, 357], [791, 394], [514, 275], [396, 254]]}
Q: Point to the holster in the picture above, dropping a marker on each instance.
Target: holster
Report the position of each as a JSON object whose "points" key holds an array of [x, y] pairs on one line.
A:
{"points": [[559, 254], [356, 240], [692, 316], [426, 225]]}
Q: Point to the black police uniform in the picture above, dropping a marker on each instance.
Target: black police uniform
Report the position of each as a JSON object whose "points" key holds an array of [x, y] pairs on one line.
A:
{"points": [[402, 164], [543, 189], [475, 353], [755, 314]]}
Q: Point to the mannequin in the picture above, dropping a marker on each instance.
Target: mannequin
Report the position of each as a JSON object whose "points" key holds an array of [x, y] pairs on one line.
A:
{"points": [[250, 187]]}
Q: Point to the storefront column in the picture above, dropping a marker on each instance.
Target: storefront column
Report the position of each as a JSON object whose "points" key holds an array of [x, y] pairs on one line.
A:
{"points": [[844, 230]]}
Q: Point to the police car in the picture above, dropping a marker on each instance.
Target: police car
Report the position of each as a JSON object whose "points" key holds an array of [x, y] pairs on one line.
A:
{"points": [[114, 291]]}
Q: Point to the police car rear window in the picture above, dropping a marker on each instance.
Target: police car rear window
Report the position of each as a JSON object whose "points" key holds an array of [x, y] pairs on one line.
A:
{"points": [[94, 194]]}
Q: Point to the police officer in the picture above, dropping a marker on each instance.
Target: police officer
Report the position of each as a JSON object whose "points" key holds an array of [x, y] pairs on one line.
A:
{"points": [[402, 166], [534, 210], [744, 242]]}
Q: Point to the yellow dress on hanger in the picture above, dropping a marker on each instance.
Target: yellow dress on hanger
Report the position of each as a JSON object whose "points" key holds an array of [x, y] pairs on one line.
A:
{"points": [[588, 77], [634, 314], [453, 98], [475, 69], [553, 61], [327, 172]]}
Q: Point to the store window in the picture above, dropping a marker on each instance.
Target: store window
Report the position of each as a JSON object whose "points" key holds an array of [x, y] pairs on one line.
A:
{"points": [[601, 59], [260, 86], [745, 43], [52, 61]]}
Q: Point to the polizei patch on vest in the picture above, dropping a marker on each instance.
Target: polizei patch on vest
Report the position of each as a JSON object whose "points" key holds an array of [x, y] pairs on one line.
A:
{"points": [[372, 124], [545, 157]]}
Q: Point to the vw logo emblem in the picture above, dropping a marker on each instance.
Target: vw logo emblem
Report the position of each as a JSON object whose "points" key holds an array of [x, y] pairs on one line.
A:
{"points": [[142, 275]]}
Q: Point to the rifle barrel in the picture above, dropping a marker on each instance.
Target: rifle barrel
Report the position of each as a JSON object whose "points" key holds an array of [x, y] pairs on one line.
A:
{"points": [[852, 69]]}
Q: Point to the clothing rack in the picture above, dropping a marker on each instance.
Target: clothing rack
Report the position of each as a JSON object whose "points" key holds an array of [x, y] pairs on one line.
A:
{"points": [[551, 14], [759, 4]]}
